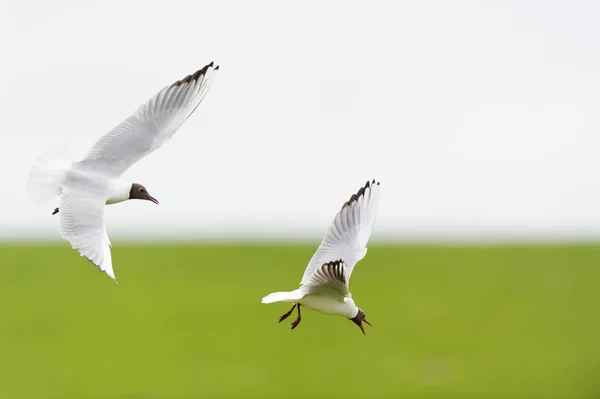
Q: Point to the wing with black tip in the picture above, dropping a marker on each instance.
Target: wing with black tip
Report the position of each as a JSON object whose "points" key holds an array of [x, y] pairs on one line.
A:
{"points": [[347, 237], [155, 122]]}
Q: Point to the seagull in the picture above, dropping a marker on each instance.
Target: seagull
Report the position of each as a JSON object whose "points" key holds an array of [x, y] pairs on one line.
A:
{"points": [[325, 285], [86, 186]]}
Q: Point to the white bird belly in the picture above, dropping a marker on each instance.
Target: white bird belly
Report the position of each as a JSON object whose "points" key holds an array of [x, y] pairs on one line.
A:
{"points": [[328, 305]]}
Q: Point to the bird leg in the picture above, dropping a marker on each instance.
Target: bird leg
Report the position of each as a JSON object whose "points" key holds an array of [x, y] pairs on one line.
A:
{"points": [[55, 211], [286, 315], [297, 321]]}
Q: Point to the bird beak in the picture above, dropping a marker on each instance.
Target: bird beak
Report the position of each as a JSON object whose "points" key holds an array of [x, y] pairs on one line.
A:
{"points": [[361, 328], [361, 325], [151, 198]]}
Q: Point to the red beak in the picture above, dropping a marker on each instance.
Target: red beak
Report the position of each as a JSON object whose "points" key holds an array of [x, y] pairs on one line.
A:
{"points": [[150, 198], [361, 326]]}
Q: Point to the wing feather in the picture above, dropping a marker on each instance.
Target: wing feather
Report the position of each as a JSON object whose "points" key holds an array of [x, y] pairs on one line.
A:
{"points": [[82, 224], [349, 233], [154, 122], [330, 279]]}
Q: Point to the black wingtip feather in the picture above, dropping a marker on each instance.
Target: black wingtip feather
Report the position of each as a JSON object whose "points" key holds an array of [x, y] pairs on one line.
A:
{"points": [[196, 75], [360, 193]]}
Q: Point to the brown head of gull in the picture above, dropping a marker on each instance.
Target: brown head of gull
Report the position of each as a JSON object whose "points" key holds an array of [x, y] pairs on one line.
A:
{"points": [[359, 318], [138, 191]]}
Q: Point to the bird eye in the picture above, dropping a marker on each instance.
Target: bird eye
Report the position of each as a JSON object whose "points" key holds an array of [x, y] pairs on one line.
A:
{"points": [[141, 189]]}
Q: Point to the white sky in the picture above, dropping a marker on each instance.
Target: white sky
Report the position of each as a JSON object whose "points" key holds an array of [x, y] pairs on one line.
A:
{"points": [[480, 121]]}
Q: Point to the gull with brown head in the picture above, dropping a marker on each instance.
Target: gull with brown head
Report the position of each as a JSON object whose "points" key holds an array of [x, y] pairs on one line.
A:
{"points": [[86, 186], [325, 285]]}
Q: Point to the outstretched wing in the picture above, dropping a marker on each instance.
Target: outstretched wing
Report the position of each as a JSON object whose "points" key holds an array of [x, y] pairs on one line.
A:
{"points": [[82, 224], [150, 126], [330, 279], [349, 233]]}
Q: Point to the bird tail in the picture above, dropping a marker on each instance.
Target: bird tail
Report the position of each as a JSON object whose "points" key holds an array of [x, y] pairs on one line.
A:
{"points": [[293, 296], [45, 177]]}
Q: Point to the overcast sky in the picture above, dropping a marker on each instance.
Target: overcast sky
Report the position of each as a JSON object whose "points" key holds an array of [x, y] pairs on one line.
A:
{"points": [[480, 119]]}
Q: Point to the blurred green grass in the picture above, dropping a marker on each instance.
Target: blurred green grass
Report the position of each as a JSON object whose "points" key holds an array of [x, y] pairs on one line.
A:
{"points": [[186, 322]]}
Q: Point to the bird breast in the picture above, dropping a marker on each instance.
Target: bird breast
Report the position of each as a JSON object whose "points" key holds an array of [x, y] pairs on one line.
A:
{"points": [[329, 305]]}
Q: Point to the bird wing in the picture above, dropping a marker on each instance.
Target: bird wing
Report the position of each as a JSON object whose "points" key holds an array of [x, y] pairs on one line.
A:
{"points": [[82, 224], [349, 233], [330, 279], [150, 126]]}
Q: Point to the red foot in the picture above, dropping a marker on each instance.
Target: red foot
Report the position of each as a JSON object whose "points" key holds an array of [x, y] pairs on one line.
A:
{"points": [[297, 321], [55, 211], [286, 315]]}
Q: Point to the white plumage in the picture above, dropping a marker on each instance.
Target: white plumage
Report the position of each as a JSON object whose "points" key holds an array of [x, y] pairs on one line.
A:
{"points": [[325, 284], [86, 186]]}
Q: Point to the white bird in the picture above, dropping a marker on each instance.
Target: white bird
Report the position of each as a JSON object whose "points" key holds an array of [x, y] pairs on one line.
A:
{"points": [[325, 286], [86, 186]]}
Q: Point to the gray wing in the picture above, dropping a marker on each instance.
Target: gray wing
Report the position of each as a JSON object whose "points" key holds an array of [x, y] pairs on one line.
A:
{"points": [[349, 233], [150, 126], [330, 279]]}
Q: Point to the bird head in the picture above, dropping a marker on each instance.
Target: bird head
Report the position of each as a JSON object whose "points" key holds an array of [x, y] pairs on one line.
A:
{"points": [[359, 318], [138, 191]]}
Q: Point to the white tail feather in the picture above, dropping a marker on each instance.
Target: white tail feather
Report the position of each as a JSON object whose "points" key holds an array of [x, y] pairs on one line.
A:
{"points": [[292, 296], [45, 178]]}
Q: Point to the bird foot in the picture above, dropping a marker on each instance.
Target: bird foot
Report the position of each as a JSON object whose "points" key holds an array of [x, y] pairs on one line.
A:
{"points": [[286, 315], [55, 211], [295, 323]]}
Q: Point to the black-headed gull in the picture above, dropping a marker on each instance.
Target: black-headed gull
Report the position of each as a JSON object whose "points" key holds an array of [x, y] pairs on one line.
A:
{"points": [[325, 286], [86, 186]]}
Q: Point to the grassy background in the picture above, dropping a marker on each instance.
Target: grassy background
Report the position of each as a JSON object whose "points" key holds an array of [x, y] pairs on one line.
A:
{"points": [[187, 322]]}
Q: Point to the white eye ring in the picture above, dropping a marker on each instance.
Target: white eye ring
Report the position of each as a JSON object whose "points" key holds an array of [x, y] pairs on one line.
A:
{"points": [[141, 189]]}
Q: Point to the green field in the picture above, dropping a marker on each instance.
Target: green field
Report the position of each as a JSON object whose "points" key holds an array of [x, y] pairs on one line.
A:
{"points": [[186, 322]]}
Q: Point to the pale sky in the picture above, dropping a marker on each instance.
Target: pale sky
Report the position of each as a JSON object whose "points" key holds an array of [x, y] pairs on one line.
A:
{"points": [[480, 119]]}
